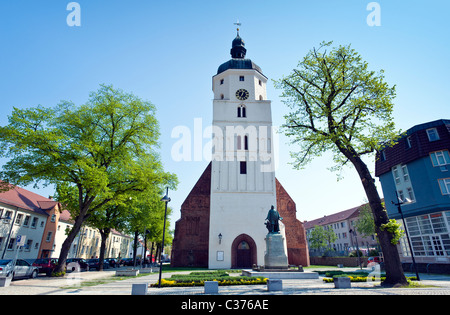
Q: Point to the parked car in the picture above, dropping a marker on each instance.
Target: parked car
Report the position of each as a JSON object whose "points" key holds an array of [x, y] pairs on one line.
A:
{"points": [[113, 262], [94, 263], [22, 269], [46, 265], [76, 264], [126, 261]]}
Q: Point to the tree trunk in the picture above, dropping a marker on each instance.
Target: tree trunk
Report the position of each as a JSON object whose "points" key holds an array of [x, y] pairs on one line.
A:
{"points": [[104, 235], [393, 266], [61, 267]]}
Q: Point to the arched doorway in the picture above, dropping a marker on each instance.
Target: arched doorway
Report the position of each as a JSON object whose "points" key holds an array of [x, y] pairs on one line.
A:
{"points": [[243, 252]]}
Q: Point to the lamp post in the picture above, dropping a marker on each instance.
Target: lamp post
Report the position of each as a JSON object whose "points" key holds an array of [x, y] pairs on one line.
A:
{"points": [[166, 199], [353, 232], [399, 208]]}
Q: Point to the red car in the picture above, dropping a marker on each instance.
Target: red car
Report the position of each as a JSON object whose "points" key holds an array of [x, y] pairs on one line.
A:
{"points": [[46, 265], [375, 259]]}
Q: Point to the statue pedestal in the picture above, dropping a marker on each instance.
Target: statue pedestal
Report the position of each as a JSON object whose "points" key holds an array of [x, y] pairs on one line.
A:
{"points": [[275, 257]]}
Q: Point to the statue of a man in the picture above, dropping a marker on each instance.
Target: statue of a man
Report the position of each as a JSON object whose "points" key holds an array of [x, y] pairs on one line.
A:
{"points": [[273, 218]]}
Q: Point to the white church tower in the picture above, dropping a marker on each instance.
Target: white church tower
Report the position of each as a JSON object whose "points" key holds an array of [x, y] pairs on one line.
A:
{"points": [[243, 184]]}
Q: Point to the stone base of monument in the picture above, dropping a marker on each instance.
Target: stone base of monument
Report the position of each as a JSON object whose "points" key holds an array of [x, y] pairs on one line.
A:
{"points": [[275, 257], [276, 262]]}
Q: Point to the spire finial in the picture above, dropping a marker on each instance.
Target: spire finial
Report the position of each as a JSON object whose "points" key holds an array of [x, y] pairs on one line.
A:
{"points": [[238, 25]]}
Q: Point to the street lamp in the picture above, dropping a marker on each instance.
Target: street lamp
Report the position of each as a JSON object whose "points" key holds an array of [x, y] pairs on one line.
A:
{"points": [[353, 232], [166, 199], [399, 208]]}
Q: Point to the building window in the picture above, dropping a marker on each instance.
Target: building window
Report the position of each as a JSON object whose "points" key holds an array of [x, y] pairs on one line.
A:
{"points": [[243, 167], [429, 234], [19, 219], [8, 215], [432, 134], [222, 96], [405, 173], [53, 218], [241, 111], [239, 142], [49, 236], [26, 221], [403, 183], [408, 142], [260, 83], [11, 243], [440, 158], [382, 156], [444, 184], [241, 78], [411, 194], [28, 245], [221, 81], [34, 222], [396, 175]]}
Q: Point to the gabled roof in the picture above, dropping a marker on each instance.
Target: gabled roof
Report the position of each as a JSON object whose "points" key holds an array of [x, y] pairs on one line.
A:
{"points": [[333, 218], [27, 200]]}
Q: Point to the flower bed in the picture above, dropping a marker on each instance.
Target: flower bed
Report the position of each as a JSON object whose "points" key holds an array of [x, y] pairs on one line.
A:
{"points": [[199, 278]]}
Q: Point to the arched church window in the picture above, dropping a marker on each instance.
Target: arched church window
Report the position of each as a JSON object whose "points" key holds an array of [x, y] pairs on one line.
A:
{"points": [[241, 111], [239, 142], [243, 245]]}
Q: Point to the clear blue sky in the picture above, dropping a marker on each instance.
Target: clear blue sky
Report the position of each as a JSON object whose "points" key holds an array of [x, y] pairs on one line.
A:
{"points": [[167, 51]]}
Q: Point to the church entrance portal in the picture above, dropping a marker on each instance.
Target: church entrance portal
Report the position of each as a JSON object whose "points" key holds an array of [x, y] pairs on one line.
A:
{"points": [[243, 252]]}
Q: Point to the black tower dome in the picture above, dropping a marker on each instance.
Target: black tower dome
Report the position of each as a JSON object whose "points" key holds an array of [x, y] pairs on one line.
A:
{"points": [[238, 52], [238, 48]]}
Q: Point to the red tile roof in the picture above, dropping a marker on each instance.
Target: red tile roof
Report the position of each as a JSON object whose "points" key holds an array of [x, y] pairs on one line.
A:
{"points": [[27, 200], [335, 217]]}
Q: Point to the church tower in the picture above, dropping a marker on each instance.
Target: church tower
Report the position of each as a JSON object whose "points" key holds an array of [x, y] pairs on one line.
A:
{"points": [[243, 184], [222, 218]]}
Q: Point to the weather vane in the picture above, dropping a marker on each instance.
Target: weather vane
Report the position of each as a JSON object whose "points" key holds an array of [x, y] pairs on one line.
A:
{"points": [[238, 25]]}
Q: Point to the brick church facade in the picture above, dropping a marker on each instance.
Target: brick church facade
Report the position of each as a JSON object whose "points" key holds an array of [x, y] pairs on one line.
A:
{"points": [[190, 244]]}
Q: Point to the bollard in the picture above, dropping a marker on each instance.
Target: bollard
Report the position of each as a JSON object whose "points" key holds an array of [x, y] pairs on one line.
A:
{"points": [[211, 287], [139, 289], [274, 285]]}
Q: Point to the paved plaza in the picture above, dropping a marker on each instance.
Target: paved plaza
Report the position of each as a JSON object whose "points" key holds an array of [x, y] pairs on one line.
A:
{"points": [[70, 285]]}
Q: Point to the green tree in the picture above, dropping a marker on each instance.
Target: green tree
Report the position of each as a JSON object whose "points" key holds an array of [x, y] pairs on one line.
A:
{"points": [[320, 238], [365, 223], [95, 154], [338, 105]]}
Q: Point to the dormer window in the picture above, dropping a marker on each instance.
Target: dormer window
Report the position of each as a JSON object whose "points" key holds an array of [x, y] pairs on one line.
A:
{"points": [[432, 134]]}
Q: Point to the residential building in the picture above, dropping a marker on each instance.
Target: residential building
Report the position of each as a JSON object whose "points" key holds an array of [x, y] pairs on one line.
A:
{"points": [[88, 241], [29, 215], [343, 225], [44, 224], [417, 169]]}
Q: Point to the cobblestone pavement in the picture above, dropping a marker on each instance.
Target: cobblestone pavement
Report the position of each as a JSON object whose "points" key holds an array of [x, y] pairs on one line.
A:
{"points": [[69, 285]]}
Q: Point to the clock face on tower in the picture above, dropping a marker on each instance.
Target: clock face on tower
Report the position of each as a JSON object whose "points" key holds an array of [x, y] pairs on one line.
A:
{"points": [[242, 94]]}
